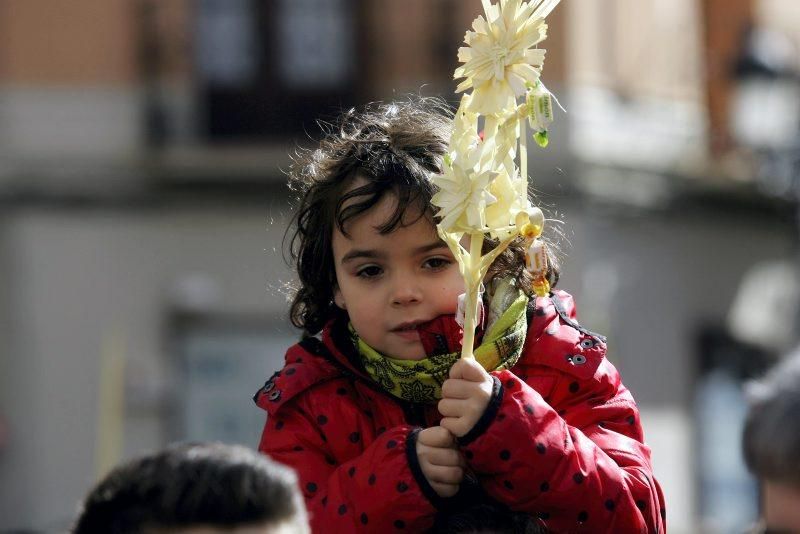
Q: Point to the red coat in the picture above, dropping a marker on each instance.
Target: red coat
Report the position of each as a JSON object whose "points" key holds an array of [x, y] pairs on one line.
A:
{"points": [[561, 439]]}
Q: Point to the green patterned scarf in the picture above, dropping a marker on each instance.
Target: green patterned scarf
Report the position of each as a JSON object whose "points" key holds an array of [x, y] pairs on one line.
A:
{"points": [[421, 380]]}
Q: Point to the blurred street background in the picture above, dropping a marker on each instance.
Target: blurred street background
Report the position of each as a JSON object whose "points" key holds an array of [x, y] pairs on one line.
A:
{"points": [[143, 203]]}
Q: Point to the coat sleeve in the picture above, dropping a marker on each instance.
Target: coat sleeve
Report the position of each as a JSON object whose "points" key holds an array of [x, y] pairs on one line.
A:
{"points": [[350, 488], [562, 440]]}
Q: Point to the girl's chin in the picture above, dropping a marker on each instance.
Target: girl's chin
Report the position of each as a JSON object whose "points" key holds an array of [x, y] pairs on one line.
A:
{"points": [[406, 351]]}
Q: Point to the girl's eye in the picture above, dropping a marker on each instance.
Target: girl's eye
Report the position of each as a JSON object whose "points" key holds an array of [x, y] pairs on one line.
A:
{"points": [[369, 271], [437, 263]]}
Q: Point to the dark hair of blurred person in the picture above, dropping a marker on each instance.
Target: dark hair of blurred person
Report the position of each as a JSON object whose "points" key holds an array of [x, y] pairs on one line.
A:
{"points": [[194, 489], [771, 443]]}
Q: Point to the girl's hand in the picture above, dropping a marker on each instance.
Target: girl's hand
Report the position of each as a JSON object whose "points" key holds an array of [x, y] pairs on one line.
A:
{"points": [[465, 396], [440, 460]]}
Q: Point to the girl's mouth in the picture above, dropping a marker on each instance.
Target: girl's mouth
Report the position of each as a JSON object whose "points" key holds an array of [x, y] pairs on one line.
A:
{"points": [[408, 330]]}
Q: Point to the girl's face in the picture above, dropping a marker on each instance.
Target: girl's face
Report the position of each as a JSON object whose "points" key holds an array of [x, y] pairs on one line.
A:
{"points": [[391, 283]]}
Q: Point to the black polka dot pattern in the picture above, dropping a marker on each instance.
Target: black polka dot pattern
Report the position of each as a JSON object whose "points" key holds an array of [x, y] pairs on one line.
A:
{"points": [[578, 478], [529, 409], [505, 455], [342, 509], [371, 479], [510, 383], [400, 524], [351, 472], [364, 519], [354, 437], [402, 487], [279, 425], [508, 484], [631, 420], [290, 371], [540, 448], [583, 517], [641, 505], [574, 387], [311, 487], [322, 420], [610, 505], [544, 487], [391, 444]]}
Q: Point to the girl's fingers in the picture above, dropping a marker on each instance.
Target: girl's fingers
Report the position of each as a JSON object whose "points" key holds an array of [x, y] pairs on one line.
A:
{"points": [[452, 407], [468, 369], [445, 474], [473, 371], [442, 457], [456, 371], [459, 426], [436, 436], [457, 389]]}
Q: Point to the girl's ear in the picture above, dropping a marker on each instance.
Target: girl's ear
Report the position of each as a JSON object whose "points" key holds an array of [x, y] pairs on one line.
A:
{"points": [[338, 299]]}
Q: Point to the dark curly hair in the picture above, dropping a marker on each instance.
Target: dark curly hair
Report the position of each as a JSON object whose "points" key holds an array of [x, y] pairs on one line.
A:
{"points": [[394, 147]]}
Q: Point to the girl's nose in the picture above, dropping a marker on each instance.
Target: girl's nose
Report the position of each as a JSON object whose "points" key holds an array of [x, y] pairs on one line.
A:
{"points": [[406, 291]]}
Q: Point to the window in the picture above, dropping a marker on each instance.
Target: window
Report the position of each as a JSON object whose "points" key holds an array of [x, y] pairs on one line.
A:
{"points": [[268, 69]]}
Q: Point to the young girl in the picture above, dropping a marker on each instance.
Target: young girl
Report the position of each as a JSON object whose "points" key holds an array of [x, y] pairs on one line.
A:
{"points": [[387, 428]]}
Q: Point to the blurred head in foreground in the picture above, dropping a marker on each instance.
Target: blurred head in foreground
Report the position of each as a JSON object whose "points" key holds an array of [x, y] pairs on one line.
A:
{"points": [[771, 444], [196, 489]]}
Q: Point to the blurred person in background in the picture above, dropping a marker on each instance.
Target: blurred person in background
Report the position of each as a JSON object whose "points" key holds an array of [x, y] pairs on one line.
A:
{"points": [[196, 489], [771, 442]]}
